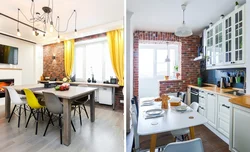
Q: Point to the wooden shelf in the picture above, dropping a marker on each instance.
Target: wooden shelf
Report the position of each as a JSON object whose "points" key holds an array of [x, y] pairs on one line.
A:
{"points": [[10, 69]]}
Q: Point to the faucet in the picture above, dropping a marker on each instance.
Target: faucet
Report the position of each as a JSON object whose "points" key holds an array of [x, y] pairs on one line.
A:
{"points": [[245, 76]]}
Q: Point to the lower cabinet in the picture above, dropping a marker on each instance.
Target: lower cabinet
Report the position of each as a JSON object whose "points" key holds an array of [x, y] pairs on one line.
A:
{"points": [[223, 115], [212, 109], [240, 134], [105, 95]]}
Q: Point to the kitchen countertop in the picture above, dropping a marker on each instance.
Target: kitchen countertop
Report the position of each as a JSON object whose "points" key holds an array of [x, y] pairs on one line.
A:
{"points": [[89, 84], [242, 101], [239, 100], [217, 90]]}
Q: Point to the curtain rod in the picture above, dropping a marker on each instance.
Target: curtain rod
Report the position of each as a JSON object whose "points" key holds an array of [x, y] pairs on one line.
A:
{"points": [[21, 22], [16, 38]]}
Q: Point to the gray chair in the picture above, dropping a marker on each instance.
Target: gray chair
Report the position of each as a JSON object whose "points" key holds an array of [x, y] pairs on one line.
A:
{"points": [[194, 145], [54, 105], [80, 104]]}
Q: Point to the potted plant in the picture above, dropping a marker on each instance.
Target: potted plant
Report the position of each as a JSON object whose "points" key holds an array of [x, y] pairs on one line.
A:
{"points": [[236, 5], [177, 74]]}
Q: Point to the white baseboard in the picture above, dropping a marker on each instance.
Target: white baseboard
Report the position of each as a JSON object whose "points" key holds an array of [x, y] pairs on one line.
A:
{"points": [[225, 139]]}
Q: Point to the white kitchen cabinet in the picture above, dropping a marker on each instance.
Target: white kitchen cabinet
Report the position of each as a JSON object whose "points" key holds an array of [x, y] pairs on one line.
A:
{"points": [[223, 115], [202, 103], [105, 95], [218, 56], [239, 35], [225, 41], [239, 133], [212, 109], [210, 46]]}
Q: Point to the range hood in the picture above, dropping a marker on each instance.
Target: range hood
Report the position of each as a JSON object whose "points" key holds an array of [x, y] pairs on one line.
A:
{"points": [[198, 58]]}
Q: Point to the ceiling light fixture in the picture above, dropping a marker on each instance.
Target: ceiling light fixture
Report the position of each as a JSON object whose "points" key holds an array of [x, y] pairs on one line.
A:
{"points": [[167, 59], [183, 31], [46, 18]]}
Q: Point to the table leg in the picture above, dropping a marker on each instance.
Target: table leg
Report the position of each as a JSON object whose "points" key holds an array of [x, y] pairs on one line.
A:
{"points": [[7, 104], [153, 142], [113, 97], [191, 129], [92, 106], [66, 122]]}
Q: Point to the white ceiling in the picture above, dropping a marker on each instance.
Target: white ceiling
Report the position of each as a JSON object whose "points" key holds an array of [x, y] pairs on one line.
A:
{"points": [[93, 16], [166, 15]]}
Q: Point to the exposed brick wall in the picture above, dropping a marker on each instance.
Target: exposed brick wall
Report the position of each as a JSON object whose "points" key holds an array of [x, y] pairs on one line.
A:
{"points": [[190, 70], [55, 68]]}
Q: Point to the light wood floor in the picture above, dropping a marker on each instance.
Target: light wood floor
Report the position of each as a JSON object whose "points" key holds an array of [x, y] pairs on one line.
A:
{"points": [[104, 135]]}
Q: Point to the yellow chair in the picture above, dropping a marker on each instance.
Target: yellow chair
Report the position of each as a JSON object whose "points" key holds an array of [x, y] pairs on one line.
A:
{"points": [[35, 106]]}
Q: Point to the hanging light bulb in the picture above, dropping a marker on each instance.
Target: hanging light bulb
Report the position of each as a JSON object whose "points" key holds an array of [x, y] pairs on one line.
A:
{"points": [[75, 32], [18, 33], [51, 28], [58, 39], [167, 59], [34, 32]]}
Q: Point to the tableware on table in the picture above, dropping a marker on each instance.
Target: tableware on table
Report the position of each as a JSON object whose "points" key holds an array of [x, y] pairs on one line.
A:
{"points": [[165, 99], [147, 103], [154, 112], [181, 108]]}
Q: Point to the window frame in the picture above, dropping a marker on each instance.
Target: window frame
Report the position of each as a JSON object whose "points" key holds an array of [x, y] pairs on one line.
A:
{"points": [[155, 47], [82, 44]]}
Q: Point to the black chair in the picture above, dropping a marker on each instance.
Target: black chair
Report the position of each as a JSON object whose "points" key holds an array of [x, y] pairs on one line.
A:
{"points": [[183, 94], [136, 105]]}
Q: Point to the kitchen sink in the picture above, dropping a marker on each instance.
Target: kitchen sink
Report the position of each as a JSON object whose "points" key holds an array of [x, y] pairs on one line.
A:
{"points": [[236, 93]]}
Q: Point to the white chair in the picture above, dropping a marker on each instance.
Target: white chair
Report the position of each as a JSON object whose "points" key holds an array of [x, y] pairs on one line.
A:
{"points": [[19, 101], [142, 143], [194, 145], [184, 132]]}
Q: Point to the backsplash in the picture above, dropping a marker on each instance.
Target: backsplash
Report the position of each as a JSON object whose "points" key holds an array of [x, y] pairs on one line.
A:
{"points": [[213, 76]]}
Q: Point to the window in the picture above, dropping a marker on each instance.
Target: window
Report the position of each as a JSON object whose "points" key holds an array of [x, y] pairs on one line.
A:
{"points": [[152, 60], [92, 57]]}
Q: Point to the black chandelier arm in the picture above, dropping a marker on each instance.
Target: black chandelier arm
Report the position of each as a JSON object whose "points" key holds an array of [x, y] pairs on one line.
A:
{"points": [[1, 14], [57, 22]]}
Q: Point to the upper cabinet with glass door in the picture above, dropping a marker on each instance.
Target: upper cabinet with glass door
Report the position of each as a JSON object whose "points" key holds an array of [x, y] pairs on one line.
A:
{"points": [[239, 35], [228, 48], [228, 28], [210, 47], [218, 46]]}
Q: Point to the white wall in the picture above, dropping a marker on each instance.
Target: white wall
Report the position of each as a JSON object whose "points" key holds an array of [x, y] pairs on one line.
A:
{"points": [[26, 58], [247, 47], [39, 61]]}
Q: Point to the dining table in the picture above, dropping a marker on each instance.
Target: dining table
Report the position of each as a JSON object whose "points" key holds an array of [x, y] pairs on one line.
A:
{"points": [[66, 97], [170, 120]]}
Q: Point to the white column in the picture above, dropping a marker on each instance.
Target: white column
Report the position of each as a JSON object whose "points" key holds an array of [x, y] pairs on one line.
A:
{"points": [[247, 45], [128, 68]]}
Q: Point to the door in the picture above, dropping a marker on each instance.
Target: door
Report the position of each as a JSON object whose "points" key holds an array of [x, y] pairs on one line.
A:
{"points": [[241, 134], [239, 36], [218, 49], [228, 22], [211, 109]]}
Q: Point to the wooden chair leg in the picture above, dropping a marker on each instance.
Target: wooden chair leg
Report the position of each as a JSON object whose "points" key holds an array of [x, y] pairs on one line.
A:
{"points": [[80, 114], [37, 121], [24, 107], [73, 126], [19, 116], [47, 125], [31, 113], [86, 112], [12, 113]]}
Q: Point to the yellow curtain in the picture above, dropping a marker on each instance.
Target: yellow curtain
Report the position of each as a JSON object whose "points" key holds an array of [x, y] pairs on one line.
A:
{"points": [[116, 47], [69, 52]]}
